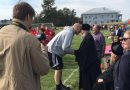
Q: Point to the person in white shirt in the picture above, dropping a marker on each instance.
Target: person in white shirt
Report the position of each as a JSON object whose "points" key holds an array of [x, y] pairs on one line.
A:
{"points": [[57, 48]]}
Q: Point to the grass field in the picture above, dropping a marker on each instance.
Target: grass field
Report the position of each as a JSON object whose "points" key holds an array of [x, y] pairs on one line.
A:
{"points": [[70, 73]]}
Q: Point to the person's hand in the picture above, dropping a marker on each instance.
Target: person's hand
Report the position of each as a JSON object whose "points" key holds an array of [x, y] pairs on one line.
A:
{"points": [[44, 48], [102, 54], [100, 80], [111, 34], [75, 52], [109, 37]]}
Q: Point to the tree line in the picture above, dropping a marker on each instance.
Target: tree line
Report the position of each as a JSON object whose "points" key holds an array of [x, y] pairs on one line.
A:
{"points": [[50, 14]]}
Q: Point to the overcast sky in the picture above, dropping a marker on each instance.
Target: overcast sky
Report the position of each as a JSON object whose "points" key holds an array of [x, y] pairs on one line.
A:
{"points": [[80, 6]]}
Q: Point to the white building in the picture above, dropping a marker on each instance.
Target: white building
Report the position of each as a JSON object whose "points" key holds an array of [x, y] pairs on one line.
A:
{"points": [[101, 16]]}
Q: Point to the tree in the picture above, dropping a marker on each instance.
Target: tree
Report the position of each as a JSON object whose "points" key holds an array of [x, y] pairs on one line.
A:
{"points": [[60, 17], [49, 11], [48, 4], [69, 16]]}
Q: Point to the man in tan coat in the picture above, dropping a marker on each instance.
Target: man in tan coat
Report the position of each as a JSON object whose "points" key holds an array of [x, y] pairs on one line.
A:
{"points": [[22, 57]]}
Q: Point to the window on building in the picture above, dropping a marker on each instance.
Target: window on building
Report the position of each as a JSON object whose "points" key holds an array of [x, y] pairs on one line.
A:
{"points": [[102, 22], [95, 17], [102, 16], [112, 16], [89, 17], [112, 20], [86, 17], [117, 16]]}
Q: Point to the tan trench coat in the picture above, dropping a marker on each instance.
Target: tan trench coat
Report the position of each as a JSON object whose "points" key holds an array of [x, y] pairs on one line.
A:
{"points": [[22, 60]]}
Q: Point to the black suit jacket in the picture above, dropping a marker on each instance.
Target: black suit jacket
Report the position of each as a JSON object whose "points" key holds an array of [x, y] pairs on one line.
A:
{"points": [[119, 33], [122, 73]]}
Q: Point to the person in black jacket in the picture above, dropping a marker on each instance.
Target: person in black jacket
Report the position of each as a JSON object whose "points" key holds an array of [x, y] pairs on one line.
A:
{"points": [[122, 68], [116, 34], [86, 56], [105, 81]]}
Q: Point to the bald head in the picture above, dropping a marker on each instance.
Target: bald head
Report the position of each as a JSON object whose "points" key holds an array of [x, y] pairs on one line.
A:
{"points": [[77, 28], [96, 29]]}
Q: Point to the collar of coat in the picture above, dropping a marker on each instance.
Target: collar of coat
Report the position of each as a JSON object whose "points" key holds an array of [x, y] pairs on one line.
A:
{"points": [[20, 23]]}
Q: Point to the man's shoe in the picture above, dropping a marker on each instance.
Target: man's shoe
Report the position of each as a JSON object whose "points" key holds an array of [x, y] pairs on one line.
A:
{"points": [[63, 87]]}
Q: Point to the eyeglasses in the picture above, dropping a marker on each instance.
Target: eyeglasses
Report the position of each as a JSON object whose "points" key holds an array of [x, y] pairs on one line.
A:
{"points": [[124, 39]]}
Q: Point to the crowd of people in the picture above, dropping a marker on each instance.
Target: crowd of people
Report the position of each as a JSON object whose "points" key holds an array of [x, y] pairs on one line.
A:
{"points": [[43, 33], [26, 54]]}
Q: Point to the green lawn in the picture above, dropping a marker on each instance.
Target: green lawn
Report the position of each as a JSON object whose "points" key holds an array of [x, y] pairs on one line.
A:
{"points": [[106, 34], [70, 73]]}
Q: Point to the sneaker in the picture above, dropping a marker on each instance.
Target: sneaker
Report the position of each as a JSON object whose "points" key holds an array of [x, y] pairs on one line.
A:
{"points": [[63, 87]]}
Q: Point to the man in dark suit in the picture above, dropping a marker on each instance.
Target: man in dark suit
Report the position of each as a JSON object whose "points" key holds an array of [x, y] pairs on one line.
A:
{"points": [[117, 33], [122, 68]]}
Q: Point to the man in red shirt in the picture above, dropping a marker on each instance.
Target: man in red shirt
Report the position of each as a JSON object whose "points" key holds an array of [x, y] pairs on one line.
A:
{"points": [[40, 35], [49, 34], [33, 31], [45, 35]]}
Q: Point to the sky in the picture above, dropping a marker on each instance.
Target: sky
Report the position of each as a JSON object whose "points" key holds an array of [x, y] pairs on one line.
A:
{"points": [[80, 6]]}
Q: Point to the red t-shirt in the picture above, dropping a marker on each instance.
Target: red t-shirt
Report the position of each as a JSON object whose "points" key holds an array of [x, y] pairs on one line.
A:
{"points": [[49, 35], [33, 31]]}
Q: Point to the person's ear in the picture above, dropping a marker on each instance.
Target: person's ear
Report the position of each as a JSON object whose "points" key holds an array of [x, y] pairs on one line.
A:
{"points": [[28, 16]]}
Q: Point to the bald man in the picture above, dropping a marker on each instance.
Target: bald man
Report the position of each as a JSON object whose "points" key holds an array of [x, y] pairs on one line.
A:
{"points": [[99, 41], [57, 48]]}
